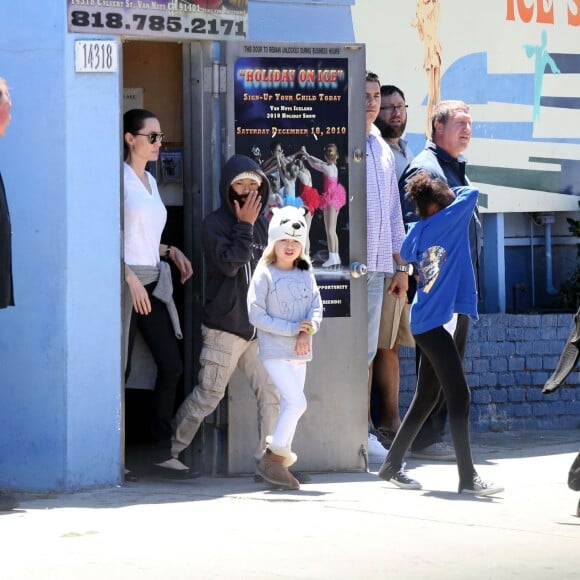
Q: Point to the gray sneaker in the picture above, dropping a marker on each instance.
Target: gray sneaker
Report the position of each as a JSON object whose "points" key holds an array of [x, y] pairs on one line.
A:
{"points": [[440, 451], [480, 488]]}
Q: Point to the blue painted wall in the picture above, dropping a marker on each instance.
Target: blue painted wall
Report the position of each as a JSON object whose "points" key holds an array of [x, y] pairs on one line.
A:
{"points": [[305, 21], [60, 368], [60, 371], [59, 348]]}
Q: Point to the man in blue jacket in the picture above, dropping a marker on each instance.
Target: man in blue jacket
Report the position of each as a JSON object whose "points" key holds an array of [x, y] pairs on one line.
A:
{"points": [[443, 157], [7, 501], [233, 239]]}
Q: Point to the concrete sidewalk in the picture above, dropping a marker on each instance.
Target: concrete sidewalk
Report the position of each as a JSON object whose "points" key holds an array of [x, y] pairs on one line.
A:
{"points": [[339, 526]]}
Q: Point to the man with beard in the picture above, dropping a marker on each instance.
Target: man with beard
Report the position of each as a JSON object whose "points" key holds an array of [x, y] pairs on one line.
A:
{"points": [[394, 327], [392, 122]]}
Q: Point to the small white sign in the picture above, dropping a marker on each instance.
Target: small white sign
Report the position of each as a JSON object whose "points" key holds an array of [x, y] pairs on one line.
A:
{"points": [[94, 56], [132, 99]]}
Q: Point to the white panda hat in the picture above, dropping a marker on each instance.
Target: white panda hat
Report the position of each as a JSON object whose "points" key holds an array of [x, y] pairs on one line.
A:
{"points": [[287, 223]]}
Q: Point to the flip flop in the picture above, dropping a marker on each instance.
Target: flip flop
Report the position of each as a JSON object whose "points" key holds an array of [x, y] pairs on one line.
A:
{"points": [[173, 474]]}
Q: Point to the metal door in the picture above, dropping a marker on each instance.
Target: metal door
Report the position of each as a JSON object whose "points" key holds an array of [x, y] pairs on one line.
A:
{"points": [[292, 96]]}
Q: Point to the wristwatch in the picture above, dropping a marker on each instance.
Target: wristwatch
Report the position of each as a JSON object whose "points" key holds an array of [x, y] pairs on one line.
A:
{"points": [[407, 268]]}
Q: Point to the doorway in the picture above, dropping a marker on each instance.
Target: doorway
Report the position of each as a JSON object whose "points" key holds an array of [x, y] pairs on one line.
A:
{"points": [[153, 80], [191, 88]]}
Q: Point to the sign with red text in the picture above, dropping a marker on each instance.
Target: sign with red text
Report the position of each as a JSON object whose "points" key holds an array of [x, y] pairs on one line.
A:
{"points": [[291, 116], [166, 19], [516, 63]]}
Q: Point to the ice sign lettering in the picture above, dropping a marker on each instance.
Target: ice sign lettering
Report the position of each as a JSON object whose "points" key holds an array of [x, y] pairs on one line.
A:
{"points": [[302, 78], [540, 11]]}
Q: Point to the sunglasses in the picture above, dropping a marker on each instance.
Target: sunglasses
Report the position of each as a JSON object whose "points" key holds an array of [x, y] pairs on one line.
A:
{"points": [[152, 137]]}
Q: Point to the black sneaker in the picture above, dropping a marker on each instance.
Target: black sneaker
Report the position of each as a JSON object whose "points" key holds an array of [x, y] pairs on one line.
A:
{"points": [[400, 479], [481, 488]]}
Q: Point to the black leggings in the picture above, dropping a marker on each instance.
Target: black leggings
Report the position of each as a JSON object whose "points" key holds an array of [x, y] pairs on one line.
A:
{"points": [[438, 347], [158, 333], [433, 428]]}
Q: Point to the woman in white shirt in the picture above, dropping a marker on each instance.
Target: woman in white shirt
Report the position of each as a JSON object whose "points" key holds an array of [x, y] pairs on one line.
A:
{"points": [[149, 305]]}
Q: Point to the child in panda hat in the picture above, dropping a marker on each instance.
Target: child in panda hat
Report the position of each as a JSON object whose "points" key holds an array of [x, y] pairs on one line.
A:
{"points": [[284, 305]]}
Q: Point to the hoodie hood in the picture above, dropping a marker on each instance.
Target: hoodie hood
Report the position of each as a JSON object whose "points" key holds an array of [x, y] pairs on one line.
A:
{"points": [[234, 166]]}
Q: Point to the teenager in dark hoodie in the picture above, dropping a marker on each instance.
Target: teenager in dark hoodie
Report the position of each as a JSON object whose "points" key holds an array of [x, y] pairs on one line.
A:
{"points": [[439, 245], [233, 239]]}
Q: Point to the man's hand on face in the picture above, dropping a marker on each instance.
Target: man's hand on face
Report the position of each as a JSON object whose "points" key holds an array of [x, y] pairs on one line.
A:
{"points": [[251, 208]]}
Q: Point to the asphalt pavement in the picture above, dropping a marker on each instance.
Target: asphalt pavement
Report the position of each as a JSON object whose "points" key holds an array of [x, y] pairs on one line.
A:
{"points": [[338, 526]]}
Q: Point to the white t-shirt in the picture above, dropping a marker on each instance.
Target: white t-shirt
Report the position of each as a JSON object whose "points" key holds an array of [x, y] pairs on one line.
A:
{"points": [[451, 325], [144, 218]]}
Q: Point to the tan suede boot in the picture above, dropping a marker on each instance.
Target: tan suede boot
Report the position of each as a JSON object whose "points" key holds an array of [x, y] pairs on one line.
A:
{"points": [[273, 470]]}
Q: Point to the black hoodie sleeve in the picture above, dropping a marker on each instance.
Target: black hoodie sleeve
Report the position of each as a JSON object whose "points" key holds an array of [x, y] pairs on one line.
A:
{"points": [[228, 247]]}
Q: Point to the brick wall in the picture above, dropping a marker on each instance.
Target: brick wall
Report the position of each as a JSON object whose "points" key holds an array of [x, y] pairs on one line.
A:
{"points": [[509, 358]]}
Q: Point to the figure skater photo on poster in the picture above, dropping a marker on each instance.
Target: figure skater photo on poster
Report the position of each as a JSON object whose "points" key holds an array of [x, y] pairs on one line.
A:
{"points": [[333, 198], [292, 184], [275, 199], [288, 171], [271, 165], [291, 115], [308, 194]]}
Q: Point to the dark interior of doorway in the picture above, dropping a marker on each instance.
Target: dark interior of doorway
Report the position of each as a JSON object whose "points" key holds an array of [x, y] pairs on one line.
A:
{"points": [[156, 70]]}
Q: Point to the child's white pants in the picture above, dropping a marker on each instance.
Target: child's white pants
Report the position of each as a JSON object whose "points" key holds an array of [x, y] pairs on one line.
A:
{"points": [[289, 377]]}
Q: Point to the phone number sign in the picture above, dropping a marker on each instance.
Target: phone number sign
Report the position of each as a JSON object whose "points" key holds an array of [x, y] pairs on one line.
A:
{"points": [[167, 19]]}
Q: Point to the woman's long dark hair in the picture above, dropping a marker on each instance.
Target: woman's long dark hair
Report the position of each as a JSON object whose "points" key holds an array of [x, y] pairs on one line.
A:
{"points": [[133, 122]]}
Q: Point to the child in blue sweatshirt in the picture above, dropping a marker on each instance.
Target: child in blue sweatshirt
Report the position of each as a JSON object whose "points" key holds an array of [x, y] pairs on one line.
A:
{"points": [[439, 246]]}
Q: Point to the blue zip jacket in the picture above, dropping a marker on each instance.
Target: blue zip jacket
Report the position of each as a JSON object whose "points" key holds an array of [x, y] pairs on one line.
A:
{"points": [[439, 246]]}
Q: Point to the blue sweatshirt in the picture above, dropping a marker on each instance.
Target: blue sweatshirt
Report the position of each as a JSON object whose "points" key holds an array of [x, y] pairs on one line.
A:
{"points": [[439, 246], [436, 161]]}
